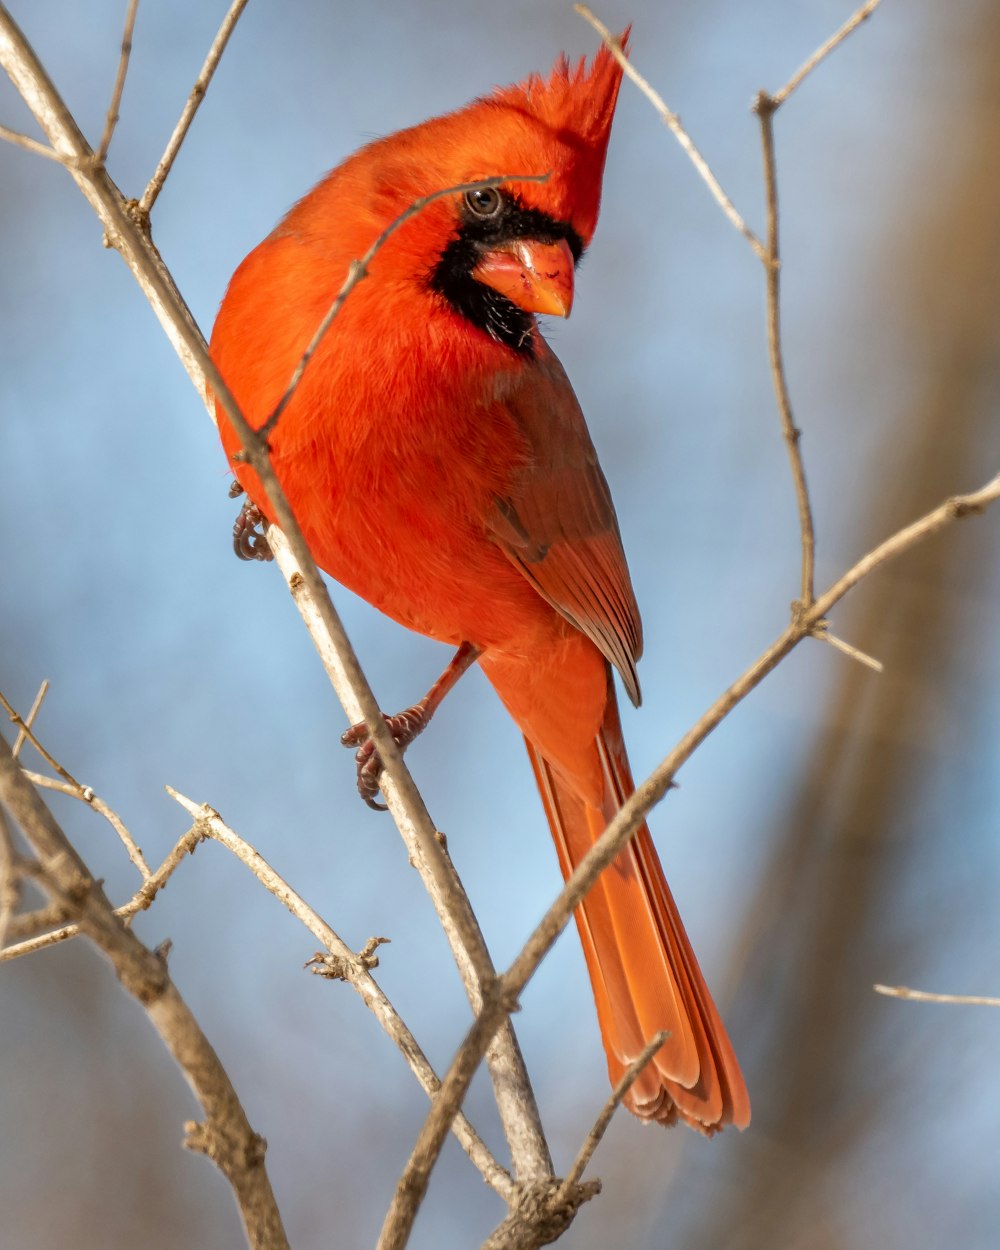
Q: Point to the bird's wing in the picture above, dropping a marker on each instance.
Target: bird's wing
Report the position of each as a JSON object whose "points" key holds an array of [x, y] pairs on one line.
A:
{"points": [[557, 523]]}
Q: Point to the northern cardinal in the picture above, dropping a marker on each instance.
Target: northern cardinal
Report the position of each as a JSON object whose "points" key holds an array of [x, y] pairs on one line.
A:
{"points": [[439, 465]]}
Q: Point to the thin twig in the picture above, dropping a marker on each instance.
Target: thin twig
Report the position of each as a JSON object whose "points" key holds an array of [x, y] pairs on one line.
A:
{"points": [[25, 731], [358, 270], [111, 121], [86, 795], [29, 144], [10, 878], [191, 106], [593, 1138], [29, 720], [849, 649], [924, 996], [515, 1098], [356, 970], [673, 124], [824, 51], [764, 107]]}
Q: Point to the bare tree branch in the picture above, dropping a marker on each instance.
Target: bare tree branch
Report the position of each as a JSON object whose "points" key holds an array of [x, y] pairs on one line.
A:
{"points": [[29, 720], [924, 996], [191, 107], [225, 1134], [111, 121], [30, 145], [593, 1138], [673, 124], [764, 107], [823, 51]]}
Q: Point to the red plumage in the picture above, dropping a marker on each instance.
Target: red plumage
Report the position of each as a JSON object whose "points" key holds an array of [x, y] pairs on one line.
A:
{"points": [[438, 462]]}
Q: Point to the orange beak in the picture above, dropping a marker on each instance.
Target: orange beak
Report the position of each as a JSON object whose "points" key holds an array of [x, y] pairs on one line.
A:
{"points": [[537, 277]]}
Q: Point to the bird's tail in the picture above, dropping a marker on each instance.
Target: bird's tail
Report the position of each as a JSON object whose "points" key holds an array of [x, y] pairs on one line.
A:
{"points": [[644, 973]]}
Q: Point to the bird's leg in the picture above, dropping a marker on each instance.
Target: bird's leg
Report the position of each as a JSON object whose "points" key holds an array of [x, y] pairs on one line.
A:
{"points": [[404, 726], [249, 542]]}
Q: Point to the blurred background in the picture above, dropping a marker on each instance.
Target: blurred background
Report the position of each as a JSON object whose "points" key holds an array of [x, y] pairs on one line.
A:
{"points": [[839, 829]]}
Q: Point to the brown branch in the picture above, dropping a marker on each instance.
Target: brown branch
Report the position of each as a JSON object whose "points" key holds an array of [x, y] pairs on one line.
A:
{"points": [[10, 879], [513, 1090], [764, 107], [29, 144], [924, 996], [593, 1138], [824, 51], [358, 270], [111, 121], [191, 107], [86, 795], [673, 124], [29, 720], [225, 1134]]}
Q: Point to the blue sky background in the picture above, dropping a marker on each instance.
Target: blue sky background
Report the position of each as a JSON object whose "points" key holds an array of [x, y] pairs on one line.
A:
{"points": [[172, 662]]}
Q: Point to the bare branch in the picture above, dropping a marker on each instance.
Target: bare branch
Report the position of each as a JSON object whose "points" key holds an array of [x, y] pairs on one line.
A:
{"points": [[924, 996], [29, 144], [116, 94], [358, 271], [514, 1096], [593, 1139], [191, 107], [25, 732], [848, 649], [86, 795], [764, 107], [10, 879], [673, 124], [355, 969], [824, 51], [225, 1135], [29, 720]]}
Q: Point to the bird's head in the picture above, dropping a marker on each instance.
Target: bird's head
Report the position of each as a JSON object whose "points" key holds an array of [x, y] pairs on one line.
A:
{"points": [[496, 255]]}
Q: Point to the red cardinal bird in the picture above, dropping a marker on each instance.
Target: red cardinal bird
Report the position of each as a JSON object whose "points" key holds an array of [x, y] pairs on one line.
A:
{"points": [[439, 465]]}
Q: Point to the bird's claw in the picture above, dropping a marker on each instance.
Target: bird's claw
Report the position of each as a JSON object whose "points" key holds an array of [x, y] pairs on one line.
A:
{"points": [[249, 542], [404, 727]]}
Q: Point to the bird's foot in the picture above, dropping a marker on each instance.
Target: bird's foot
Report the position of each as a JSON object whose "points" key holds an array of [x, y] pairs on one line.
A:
{"points": [[249, 542], [404, 727]]}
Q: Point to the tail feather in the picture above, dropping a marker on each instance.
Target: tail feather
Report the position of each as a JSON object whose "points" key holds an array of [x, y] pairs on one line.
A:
{"points": [[643, 971]]}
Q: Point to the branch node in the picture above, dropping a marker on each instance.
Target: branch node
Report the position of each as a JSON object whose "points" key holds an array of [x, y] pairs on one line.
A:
{"points": [[230, 1152], [540, 1214], [346, 967]]}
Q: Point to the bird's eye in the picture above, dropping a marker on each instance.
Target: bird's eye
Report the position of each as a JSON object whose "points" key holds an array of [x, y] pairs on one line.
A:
{"points": [[484, 203]]}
